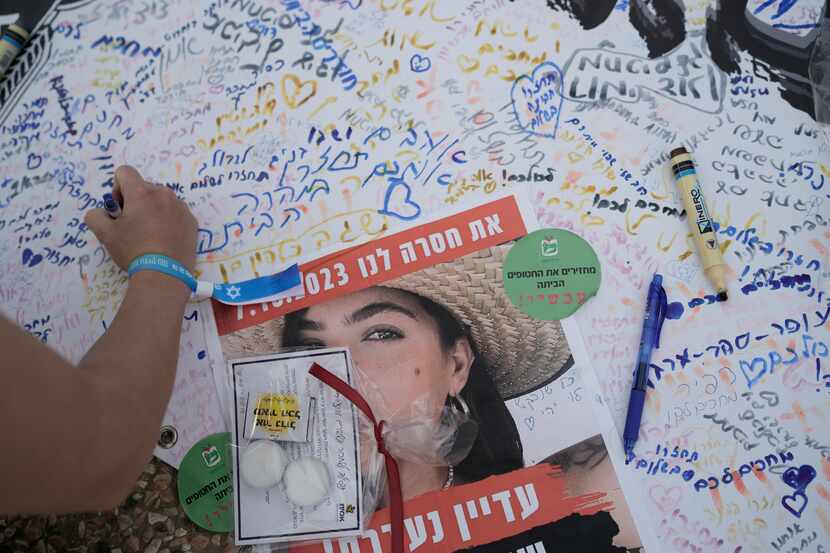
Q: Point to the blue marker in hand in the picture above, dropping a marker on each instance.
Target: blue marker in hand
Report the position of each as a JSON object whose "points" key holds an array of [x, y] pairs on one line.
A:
{"points": [[113, 208], [656, 306]]}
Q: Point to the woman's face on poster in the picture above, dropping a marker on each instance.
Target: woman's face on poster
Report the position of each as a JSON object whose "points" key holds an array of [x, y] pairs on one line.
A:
{"points": [[395, 344]]}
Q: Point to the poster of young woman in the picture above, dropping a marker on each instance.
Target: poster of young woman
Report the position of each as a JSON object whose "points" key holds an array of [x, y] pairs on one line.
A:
{"points": [[431, 330]]}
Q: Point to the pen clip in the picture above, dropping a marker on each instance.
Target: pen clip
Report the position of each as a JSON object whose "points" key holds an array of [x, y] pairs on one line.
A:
{"points": [[662, 309]]}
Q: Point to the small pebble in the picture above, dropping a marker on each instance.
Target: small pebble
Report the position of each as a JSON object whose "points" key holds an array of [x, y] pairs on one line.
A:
{"points": [[33, 530], [153, 547], [133, 544], [162, 481], [199, 542], [124, 522], [153, 518], [152, 500], [57, 542]]}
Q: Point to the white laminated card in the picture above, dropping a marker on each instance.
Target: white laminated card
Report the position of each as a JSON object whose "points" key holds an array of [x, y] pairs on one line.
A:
{"points": [[264, 516]]}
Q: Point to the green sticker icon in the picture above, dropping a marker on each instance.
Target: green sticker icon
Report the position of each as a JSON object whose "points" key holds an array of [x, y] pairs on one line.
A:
{"points": [[206, 485], [551, 273]]}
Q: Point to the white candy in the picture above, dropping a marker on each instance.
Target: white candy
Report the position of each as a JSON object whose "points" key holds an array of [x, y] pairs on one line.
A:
{"points": [[307, 481], [263, 464]]}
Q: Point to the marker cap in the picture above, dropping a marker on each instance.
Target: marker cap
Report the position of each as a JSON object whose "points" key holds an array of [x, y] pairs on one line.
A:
{"points": [[679, 151]]}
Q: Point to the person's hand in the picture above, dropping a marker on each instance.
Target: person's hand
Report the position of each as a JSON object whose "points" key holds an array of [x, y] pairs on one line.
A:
{"points": [[153, 220]]}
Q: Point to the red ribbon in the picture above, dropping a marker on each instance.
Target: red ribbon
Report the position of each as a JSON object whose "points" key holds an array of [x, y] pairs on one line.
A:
{"points": [[395, 495]]}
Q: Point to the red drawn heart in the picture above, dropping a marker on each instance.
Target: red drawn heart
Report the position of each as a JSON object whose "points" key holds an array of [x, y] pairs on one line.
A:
{"points": [[665, 498]]}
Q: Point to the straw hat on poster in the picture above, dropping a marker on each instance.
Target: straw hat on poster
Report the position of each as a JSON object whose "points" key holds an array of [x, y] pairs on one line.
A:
{"points": [[523, 354]]}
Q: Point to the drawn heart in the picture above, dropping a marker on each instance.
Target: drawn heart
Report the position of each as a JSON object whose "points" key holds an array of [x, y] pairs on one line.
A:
{"points": [[537, 99], [681, 270], [762, 370], [293, 88], [799, 478], [30, 258], [398, 201], [797, 497], [530, 422], [419, 63], [467, 64], [665, 498]]}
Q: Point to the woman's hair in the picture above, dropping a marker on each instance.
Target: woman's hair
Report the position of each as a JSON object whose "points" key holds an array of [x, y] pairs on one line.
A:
{"points": [[497, 448], [585, 454]]}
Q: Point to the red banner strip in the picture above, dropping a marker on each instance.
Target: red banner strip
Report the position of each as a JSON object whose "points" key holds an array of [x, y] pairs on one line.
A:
{"points": [[385, 259]]}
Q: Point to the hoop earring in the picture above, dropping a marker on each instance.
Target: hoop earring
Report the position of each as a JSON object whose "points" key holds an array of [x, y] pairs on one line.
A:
{"points": [[463, 407], [450, 477]]}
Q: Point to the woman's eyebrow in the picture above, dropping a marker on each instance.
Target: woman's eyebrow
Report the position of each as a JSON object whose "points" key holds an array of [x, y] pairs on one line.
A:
{"points": [[308, 324], [372, 309]]}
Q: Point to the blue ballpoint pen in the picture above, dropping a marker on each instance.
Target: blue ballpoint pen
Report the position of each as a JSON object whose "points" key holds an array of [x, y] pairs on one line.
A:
{"points": [[652, 326]]}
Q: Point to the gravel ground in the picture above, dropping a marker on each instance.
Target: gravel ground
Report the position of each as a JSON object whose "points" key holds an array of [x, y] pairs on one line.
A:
{"points": [[150, 520]]}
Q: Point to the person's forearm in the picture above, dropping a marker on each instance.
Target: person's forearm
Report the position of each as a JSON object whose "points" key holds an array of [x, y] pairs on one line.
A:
{"points": [[78, 437], [143, 338], [143, 343]]}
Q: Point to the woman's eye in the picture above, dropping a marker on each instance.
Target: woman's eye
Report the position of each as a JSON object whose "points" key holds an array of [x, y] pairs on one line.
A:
{"points": [[382, 334]]}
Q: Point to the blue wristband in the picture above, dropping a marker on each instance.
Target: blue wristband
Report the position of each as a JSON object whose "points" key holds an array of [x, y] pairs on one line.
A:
{"points": [[261, 289], [162, 264]]}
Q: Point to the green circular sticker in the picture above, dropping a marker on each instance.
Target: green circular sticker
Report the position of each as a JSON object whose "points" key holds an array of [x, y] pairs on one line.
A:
{"points": [[550, 273], [205, 483]]}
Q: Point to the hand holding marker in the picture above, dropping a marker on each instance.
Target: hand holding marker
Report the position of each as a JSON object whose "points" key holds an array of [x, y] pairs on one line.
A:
{"points": [[138, 258], [113, 207], [153, 219]]}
